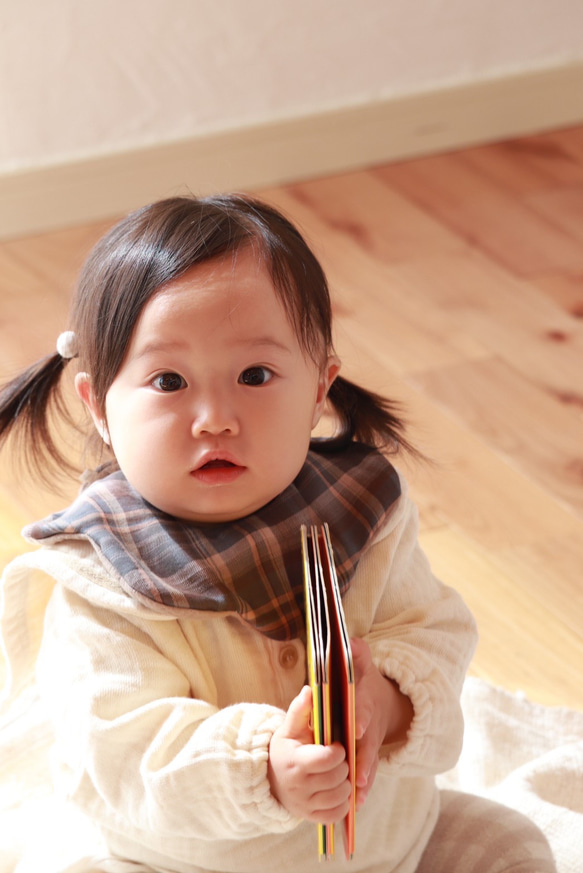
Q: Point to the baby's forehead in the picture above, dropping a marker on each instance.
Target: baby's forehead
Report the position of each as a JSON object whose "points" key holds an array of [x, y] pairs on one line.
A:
{"points": [[229, 283], [233, 302], [222, 274]]}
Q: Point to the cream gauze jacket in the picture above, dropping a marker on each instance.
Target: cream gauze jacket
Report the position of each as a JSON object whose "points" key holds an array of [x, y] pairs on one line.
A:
{"points": [[163, 718]]}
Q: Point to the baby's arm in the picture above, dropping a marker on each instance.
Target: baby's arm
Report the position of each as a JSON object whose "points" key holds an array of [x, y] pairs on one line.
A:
{"points": [[421, 637], [139, 747]]}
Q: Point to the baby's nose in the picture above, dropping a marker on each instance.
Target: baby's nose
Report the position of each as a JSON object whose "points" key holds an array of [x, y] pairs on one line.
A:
{"points": [[215, 417]]}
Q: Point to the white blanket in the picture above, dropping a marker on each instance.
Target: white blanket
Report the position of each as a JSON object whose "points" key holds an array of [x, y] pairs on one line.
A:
{"points": [[527, 756]]}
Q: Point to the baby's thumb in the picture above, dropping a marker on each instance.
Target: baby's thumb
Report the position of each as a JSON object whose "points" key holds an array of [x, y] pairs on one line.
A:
{"points": [[298, 717]]}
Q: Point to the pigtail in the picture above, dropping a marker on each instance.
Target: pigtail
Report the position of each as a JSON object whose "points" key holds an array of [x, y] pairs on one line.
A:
{"points": [[28, 403], [365, 417]]}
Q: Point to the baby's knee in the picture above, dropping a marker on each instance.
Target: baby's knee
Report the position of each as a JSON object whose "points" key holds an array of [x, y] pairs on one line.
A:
{"points": [[475, 834]]}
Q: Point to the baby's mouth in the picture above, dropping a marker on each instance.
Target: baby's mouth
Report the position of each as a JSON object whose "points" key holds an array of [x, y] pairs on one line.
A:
{"points": [[218, 471]]}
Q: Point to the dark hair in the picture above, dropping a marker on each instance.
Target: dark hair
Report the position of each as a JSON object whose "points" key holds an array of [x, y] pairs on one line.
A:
{"points": [[129, 265]]}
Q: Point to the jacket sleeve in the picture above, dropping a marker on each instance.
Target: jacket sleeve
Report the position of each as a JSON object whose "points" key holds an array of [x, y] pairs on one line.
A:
{"points": [[422, 636], [137, 748]]}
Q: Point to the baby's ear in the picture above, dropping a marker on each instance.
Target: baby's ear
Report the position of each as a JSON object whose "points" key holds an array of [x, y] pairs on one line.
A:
{"points": [[327, 376], [84, 389]]}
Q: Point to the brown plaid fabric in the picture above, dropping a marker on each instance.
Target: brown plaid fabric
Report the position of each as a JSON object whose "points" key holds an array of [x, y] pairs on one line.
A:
{"points": [[252, 566]]}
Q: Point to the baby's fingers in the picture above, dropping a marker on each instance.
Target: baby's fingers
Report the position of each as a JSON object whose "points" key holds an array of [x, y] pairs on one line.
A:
{"points": [[330, 805], [364, 715], [361, 656], [314, 760], [367, 761]]}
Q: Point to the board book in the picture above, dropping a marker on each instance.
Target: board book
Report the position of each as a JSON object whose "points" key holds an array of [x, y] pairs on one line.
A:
{"points": [[330, 669]]}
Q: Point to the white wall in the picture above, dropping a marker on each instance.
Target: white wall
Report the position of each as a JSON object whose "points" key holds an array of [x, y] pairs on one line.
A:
{"points": [[87, 78]]}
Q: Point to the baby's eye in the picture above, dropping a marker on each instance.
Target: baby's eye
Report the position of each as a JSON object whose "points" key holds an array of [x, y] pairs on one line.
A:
{"points": [[255, 376], [169, 382]]}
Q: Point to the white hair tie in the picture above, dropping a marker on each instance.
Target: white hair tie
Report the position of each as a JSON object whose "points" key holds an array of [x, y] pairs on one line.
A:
{"points": [[67, 345]]}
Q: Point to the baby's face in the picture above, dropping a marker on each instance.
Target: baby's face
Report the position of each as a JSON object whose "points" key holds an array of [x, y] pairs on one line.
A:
{"points": [[211, 413]]}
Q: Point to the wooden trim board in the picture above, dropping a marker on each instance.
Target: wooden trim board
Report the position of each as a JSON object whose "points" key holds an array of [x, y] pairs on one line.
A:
{"points": [[282, 151]]}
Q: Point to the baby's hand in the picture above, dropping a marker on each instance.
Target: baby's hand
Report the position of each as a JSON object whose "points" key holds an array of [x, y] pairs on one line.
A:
{"points": [[383, 714], [310, 781]]}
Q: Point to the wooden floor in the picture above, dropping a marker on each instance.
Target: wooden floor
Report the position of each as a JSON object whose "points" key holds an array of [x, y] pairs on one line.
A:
{"points": [[458, 290]]}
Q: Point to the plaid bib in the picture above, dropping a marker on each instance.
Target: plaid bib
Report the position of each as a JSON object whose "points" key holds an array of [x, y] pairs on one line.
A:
{"points": [[251, 566]]}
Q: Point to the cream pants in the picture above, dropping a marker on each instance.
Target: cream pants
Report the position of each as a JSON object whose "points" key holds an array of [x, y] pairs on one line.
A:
{"points": [[472, 835]]}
